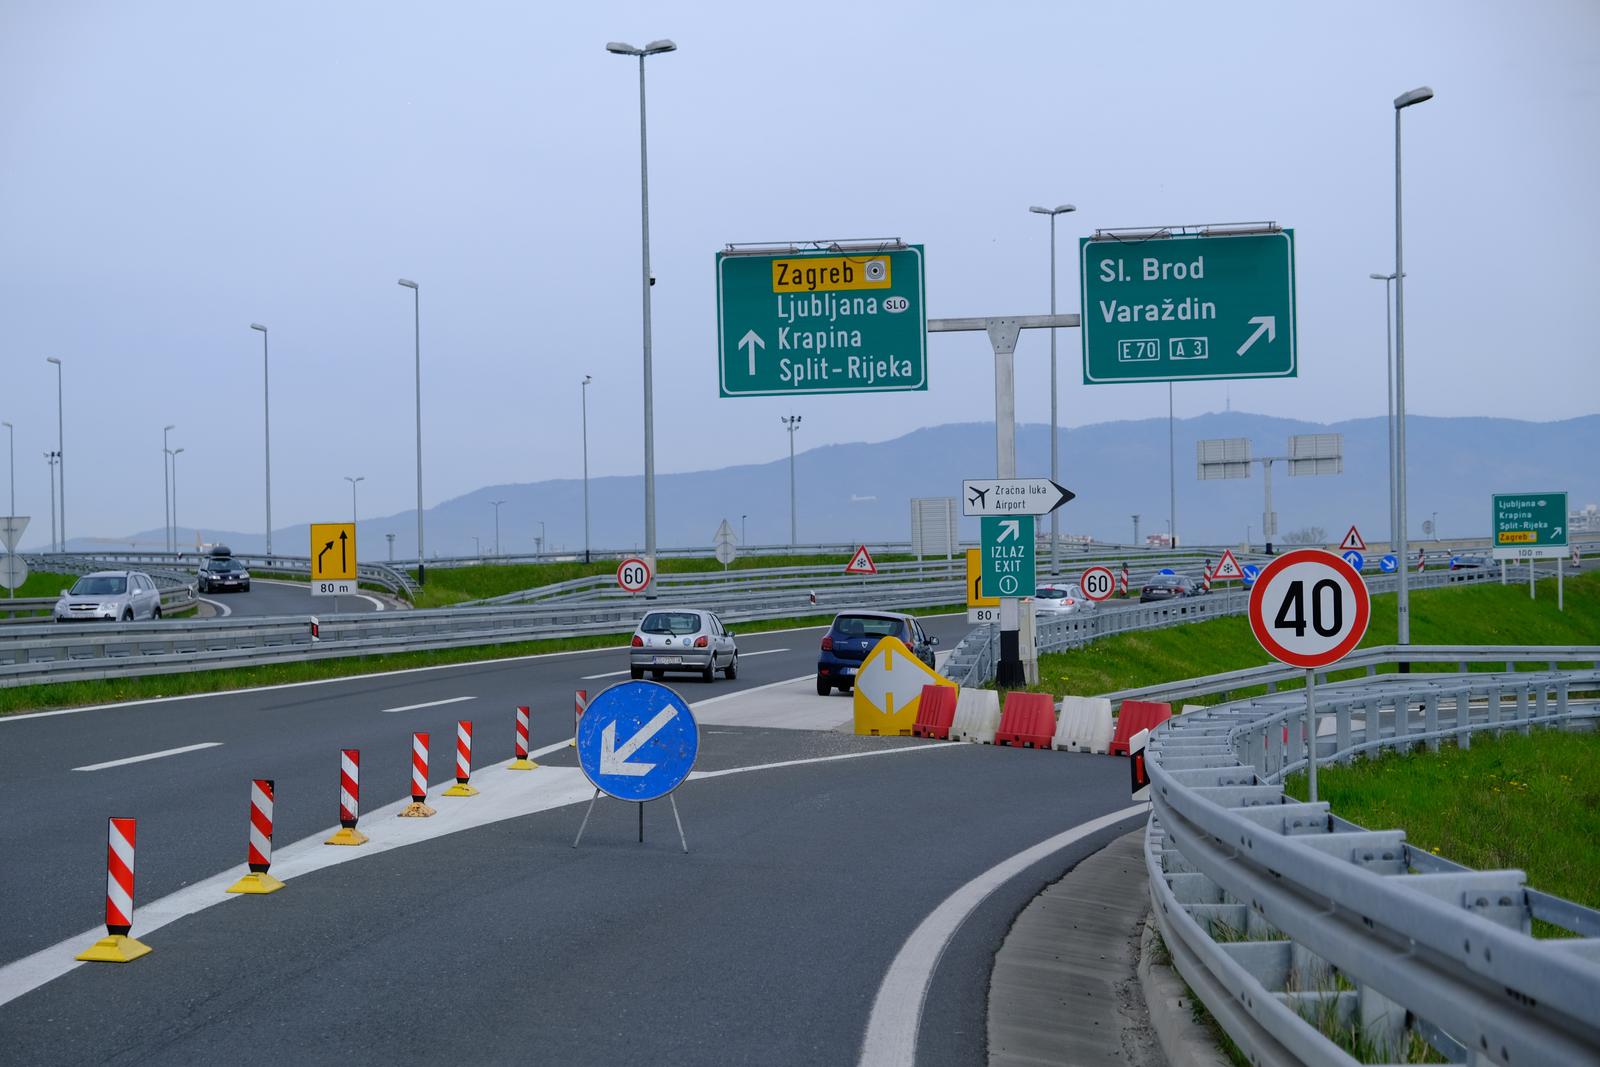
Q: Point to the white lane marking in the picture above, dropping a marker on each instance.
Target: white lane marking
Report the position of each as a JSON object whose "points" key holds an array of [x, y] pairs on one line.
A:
{"points": [[504, 795], [377, 605], [748, 692], [149, 756], [429, 704], [226, 611], [742, 655], [607, 674], [761, 652], [891, 1039], [693, 775]]}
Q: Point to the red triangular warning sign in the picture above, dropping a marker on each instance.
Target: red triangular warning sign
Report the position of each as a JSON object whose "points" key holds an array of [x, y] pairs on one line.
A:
{"points": [[1227, 567], [861, 563], [1353, 541]]}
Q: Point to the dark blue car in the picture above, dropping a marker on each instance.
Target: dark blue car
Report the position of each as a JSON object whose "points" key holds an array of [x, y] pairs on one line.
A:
{"points": [[854, 634]]}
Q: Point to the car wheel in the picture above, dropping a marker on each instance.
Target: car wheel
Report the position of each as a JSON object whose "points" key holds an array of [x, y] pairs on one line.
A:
{"points": [[823, 688], [636, 673], [156, 614], [710, 673], [731, 671], [127, 616]]}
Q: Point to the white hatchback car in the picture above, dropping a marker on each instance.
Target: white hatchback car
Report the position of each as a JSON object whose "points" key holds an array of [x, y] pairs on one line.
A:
{"points": [[1060, 600], [110, 596], [683, 639]]}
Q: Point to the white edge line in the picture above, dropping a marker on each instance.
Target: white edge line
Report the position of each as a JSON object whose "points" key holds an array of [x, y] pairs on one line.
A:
{"points": [[896, 1019], [952, 747], [226, 611], [429, 704], [764, 652], [607, 674], [149, 756]]}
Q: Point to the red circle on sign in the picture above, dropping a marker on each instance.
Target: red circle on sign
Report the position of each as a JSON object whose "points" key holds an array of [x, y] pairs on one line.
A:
{"points": [[1110, 583], [633, 574], [1267, 591]]}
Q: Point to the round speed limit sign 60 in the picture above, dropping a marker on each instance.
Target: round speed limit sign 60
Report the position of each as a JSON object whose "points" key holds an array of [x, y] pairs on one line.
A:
{"points": [[1098, 583], [1309, 608], [633, 575]]}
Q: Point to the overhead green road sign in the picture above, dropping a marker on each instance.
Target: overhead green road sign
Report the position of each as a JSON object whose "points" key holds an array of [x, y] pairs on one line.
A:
{"points": [[1187, 308], [1529, 525], [1010, 568], [823, 321]]}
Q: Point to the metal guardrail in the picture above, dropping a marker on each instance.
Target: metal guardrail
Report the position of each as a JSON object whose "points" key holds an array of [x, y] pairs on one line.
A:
{"points": [[1280, 914], [183, 566]]}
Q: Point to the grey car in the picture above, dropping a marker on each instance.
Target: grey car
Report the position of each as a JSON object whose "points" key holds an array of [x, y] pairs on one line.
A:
{"points": [[683, 639], [110, 596]]}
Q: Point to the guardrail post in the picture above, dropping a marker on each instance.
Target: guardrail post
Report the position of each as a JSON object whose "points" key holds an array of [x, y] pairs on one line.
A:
{"points": [[1523, 711], [1430, 722], [1383, 1021]]}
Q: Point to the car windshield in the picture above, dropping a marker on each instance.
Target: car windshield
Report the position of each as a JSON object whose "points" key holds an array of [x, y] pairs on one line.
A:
{"points": [[1050, 592], [225, 565], [1166, 580], [671, 622], [866, 626], [99, 586]]}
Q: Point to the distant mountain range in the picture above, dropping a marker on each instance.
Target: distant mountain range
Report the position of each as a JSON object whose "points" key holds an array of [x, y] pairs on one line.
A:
{"points": [[862, 492]]}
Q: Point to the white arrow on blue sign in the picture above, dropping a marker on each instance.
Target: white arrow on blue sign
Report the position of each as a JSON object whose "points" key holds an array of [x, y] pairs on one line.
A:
{"points": [[1355, 559], [1251, 573], [637, 741], [1388, 564]]}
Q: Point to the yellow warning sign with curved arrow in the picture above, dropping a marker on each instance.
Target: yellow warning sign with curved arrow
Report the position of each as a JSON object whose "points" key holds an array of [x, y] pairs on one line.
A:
{"points": [[889, 687]]}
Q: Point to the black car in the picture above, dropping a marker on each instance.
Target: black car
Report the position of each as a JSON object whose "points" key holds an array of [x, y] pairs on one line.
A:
{"points": [[854, 634], [1170, 587], [1467, 563], [222, 572]]}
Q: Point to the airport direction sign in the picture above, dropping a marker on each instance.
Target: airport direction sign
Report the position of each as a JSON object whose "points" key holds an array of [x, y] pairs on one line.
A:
{"points": [[1012, 496], [1010, 568], [821, 321], [333, 558], [637, 741], [1188, 308], [1529, 526]]}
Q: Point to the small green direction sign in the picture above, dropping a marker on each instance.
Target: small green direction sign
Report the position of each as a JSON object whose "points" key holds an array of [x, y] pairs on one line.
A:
{"points": [[1186, 308], [823, 321], [1529, 525], [1007, 556]]}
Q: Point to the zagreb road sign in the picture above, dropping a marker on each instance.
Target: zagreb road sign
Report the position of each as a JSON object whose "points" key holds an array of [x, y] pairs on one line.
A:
{"points": [[1098, 583], [1009, 566], [1012, 496], [1187, 308], [333, 558], [1530, 526], [633, 575], [821, 321], [1309, 608], [637, 741]]}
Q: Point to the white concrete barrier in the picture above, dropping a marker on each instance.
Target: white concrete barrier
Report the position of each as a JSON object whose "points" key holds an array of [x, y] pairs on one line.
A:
{"points": [[977, 716], [1084, 725]]}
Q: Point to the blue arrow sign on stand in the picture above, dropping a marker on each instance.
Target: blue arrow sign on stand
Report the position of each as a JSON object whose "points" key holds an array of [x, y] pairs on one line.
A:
{"points": [[1388, 564], [1355, 559], [637, 741], [1251, 572]]}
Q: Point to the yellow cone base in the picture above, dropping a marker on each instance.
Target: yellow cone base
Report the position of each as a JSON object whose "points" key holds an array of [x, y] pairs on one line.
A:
{"points": [[416, 810], [256, 882], [522, 765], [460, 789], [347, 836], [114, 949], [573, 743]]}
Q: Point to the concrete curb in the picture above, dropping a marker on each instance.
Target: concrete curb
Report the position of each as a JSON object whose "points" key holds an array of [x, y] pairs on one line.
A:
{"points": [[1184, 1042]]}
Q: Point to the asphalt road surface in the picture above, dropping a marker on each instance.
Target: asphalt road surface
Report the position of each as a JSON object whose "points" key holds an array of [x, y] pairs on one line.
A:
{"points": [[274, 597], [500, 942]]}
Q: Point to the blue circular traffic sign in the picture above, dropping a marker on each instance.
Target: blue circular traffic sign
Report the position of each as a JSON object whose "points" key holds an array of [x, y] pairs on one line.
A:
{"points": [[637, 741], [1355, 559], [1251, 572], [1166, 570], [1388, 564]]}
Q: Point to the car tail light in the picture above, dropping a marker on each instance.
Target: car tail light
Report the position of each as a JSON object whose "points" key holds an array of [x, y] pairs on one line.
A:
{"points": [[701, 642], [827, 642], [1070, 602], [638, 642]]}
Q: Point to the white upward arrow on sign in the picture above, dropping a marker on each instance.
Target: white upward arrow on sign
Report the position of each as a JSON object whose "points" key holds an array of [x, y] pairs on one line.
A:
{"points": [[614, 760], [1010, 530], [752, 341], [1267, 324]]}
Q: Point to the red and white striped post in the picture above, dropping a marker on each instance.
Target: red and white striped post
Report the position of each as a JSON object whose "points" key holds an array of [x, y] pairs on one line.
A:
{"points": [[522, 762], [418, 808], [579, 704], [117, 946], [349, 799], [463, 762], [259, 853]]}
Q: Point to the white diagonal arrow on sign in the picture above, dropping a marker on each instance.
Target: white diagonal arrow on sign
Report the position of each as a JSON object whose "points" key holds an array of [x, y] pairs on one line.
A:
{"points": [[1267, 324], [752, 341], [614, 760], [1010, 530]]}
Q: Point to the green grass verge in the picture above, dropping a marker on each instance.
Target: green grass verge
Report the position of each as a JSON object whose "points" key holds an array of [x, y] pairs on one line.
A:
{"points": [[1529, 802], [113, 690], [42, 583], [1489, 614]]}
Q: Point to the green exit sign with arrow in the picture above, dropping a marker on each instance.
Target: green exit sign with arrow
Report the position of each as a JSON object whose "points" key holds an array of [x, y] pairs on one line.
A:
{"points": [[1007, 556], [1160, 308]]}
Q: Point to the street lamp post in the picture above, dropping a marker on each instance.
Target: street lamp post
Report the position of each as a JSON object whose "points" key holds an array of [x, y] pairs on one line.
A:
{"points": [[1055, 517], [1401, 102], [11, 433], [353, 481], [1388, 379], [793, 424], [50, 458], [541, 537], [416, 333], [496, 504], [477, 547], [743, 540], [585, 392], [166, 485], [61, 459], [651, 49], [266, 422], [1136, 531], [175, 452]]}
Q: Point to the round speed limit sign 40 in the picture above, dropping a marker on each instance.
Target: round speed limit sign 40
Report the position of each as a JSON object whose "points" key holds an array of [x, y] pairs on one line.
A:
{"points": [[1098, 583], [1309, 608]]}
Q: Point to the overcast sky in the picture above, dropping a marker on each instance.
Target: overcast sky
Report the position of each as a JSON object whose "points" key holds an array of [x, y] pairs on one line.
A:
{"points": [[171, 173]]}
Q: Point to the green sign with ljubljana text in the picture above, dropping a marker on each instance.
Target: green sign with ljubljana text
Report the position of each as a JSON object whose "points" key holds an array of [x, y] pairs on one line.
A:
{"points": [[1529, 526], [1188, 308]]}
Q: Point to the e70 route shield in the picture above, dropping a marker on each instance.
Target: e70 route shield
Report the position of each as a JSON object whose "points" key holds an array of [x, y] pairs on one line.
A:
{"points": [[637, 741]]}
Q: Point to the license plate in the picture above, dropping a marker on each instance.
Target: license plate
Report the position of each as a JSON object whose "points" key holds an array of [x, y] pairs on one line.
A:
{"points": [[847, 670], [669, 659]]}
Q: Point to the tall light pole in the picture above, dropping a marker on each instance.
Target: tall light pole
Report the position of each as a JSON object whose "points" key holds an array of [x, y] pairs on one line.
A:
{"points": [[175, 452], [742, 539], [651, 49], [585, 391], [266, 422], [353, 481], [541, 537], [50, 458], [792, 422], [416, 333], [497, 504], [1055, 517], [1388, 380], [11, 432], [477, 546], [1401, 102], [61, 459], [166, 485]]}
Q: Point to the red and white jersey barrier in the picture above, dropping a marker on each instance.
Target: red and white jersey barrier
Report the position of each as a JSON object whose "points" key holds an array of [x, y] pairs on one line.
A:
{"points": [[349, 799], [463, 762], [117, 946], [522, 762], [259, 852]]}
